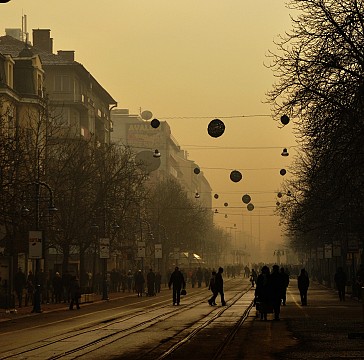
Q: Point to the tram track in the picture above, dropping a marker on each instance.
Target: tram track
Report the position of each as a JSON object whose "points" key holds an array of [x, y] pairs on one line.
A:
{"points": [[115, 329]]}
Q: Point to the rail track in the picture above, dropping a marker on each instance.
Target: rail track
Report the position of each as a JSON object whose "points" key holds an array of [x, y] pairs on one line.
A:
{"points": [[172, 329]]}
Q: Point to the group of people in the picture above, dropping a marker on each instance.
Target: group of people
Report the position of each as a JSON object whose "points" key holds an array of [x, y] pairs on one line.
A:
{"points": [[270, 291]]}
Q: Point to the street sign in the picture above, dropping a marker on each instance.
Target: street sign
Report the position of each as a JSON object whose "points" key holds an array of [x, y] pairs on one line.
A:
{"points": [[141, 249], [104, 248], [336, 248], [328, 251], [158, 251], [35, 245]]}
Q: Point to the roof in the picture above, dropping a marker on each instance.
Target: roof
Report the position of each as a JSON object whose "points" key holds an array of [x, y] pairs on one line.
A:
{"points": [[13, 47]]}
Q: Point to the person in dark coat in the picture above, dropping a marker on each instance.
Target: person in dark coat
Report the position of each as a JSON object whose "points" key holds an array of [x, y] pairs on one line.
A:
{"points": [[158, 281], [139, 282], [303, 284], [57, 287], [75, 292], [262, 292], [340, 281], [151, 283], [177, 282], [276, 290], [219, 288], [19, 285]]}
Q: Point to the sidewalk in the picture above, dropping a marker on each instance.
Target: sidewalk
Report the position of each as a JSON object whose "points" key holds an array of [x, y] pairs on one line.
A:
{"points": [[325, 329], [11, 314]]}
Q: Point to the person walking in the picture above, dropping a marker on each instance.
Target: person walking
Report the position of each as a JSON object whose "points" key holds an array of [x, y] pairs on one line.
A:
{"points": [[340, 281], [276, 290], [19, 285], [219, 288], [158, 281], [303, 283], [57, 287], [253, 277], [75, 292], [177, 282], [212, 287], [139, 283], [151, 283], [262, 292]]}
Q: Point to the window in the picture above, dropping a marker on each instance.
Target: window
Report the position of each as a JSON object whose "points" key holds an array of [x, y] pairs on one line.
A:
{"points": [[62, 83]]}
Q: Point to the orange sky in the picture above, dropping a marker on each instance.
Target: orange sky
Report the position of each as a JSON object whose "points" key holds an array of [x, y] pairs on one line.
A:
{"points": [[188, 62]]}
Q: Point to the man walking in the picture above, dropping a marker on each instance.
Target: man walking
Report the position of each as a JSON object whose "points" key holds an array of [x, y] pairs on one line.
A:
{"points": [[178, 282], [219, 288], [303, 284]]}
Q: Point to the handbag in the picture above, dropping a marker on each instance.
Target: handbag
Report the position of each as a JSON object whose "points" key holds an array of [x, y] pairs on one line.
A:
{"points": [[183, 292]]}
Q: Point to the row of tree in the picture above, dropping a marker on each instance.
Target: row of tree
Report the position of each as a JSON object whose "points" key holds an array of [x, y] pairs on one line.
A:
{"points": [[98, 190], [319, 64]]}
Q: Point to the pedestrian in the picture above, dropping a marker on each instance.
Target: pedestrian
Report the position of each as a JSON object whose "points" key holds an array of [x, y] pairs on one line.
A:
{"points": [[340, 281], [139, 282], [253, 277], [303, 282], [129, 279], [285, 276], [219, 288], [262, 293], [57, 287], [29, 296], [75, 293], [19, 285], [276, 290], [177, 282], [199, 277], [212, 287], [158, 281], [151, 283]]}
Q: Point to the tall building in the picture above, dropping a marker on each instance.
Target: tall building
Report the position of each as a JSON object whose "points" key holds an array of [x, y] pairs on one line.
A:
{"points": [[132, 130], [77, 101]]}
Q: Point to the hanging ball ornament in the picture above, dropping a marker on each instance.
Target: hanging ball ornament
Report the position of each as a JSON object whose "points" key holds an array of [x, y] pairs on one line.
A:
{"points": [[146, 115], [155, 123], [226, 204], [283, 172], [284, 119], [279, 195], [246, 199], [250, 207], [235, 176], [196, 170], [216, 128], [216, 196]]}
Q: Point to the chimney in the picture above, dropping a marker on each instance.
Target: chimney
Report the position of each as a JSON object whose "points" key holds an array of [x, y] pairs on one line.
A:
{"points": [[42, 40], [68, 55]]}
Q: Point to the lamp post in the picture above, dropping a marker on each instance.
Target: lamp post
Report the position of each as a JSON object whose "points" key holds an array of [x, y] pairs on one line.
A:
{"points": [[37, 248]]}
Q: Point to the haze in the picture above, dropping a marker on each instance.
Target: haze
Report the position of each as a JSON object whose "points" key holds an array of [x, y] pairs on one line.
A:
{"points": [[188, 62]]}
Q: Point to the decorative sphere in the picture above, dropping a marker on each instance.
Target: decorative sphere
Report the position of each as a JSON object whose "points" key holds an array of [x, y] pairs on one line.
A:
{"points": [[279, 194], [284, 119], [155, 123], [146, 115], [216, 128], [235, 176], [196, 170], [283, 172], [250, 207], [216, 196], [226, 204], [246, 199]]}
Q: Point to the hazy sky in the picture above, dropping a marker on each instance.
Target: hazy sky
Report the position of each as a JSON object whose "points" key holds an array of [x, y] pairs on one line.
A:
{"points": [[188, 62]]}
